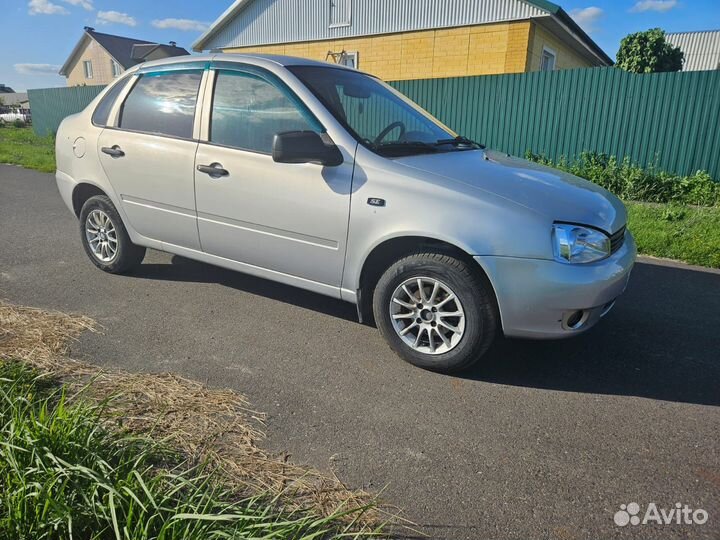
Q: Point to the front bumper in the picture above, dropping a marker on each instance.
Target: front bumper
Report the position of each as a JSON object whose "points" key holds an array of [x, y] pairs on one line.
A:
{"points": [[540, 299]]}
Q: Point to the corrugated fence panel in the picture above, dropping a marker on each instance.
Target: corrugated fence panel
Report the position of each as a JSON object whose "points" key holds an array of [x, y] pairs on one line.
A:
{"points": [[50, 105], [667, 120]]}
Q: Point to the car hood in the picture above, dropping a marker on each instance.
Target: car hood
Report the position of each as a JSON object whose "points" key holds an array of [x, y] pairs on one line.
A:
{"points": [[555, 194]]}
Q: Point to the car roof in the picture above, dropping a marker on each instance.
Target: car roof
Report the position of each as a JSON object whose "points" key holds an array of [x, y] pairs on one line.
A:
{"points": [[256, 59]]}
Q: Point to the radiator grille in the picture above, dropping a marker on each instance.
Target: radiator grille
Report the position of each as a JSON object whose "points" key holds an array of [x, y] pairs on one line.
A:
{"points": [[617, 240]]}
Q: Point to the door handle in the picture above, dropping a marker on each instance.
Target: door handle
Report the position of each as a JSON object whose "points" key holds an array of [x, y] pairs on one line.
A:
{"points": [[215, 170], [113, 151]]}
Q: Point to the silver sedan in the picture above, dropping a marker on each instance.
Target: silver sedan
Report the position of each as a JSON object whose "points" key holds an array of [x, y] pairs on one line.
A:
{"points": [[325, 178]]}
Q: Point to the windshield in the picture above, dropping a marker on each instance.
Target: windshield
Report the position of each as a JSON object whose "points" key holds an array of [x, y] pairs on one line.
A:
{"points": [[378, 116]]}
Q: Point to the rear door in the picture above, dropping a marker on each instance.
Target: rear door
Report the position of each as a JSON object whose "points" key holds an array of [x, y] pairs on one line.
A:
{"points": [[286, 218], [149, 155]]}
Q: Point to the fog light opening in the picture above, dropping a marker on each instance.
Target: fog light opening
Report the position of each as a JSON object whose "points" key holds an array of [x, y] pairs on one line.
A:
{"points": [[575, 319]]}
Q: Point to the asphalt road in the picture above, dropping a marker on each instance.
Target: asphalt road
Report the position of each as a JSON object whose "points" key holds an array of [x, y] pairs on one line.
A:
{"points": [[546, 440]]}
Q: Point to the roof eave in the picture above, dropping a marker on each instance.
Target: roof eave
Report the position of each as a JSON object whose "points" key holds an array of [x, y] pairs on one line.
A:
{"points": [[582, 35], [66, 66], [236, 7], [567, 20]]}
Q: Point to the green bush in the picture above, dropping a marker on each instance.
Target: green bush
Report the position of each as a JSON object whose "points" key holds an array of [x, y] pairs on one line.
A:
{"points": [[634, 183]]}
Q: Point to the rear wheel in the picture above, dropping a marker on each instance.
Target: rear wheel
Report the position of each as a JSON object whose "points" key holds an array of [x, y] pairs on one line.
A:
{"points": [[105, 239], [435, 311]]}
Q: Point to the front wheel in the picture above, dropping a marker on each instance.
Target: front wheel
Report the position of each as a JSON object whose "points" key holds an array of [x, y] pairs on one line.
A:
{"points": [[435, 311], [105, 239]]}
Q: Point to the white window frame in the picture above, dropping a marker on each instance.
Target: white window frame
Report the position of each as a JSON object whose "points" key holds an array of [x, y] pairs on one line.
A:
{"points": [[88, 69], [342, 24], [354, 56], [550, 53], [115, 69]]}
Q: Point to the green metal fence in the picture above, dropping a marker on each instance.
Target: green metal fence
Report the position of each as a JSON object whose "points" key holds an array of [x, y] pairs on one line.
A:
{"points": [[50, 105], [671, 120]]}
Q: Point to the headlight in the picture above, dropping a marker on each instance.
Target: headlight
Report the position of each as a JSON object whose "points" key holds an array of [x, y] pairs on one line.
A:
{"points": [[577, 244]]}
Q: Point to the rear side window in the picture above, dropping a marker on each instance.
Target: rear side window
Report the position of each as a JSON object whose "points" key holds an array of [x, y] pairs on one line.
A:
{"points": [[248, 111], [102, 111], [163, 103]]}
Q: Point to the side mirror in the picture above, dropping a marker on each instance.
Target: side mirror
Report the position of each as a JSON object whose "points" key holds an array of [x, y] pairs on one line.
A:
{"points": [[305, 147]]}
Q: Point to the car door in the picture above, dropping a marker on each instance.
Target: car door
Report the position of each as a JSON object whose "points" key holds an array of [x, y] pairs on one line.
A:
{"points": [[149, 155], [287, 218]]}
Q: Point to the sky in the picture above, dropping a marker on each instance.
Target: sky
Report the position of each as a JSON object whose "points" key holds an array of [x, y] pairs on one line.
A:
{"points": [[44, 32]]}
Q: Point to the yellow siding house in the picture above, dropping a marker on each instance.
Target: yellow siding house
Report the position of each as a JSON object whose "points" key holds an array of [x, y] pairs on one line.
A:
{"points": [[409, 39]]}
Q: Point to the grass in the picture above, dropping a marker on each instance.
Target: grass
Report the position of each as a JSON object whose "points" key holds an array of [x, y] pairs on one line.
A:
{"points": [[64, 475], [94, 454], [20, 146], [686, 233]]}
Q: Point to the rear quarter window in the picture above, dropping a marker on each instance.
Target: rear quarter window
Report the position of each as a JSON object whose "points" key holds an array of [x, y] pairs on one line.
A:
{"points": [[102, 111], [163, 103]]}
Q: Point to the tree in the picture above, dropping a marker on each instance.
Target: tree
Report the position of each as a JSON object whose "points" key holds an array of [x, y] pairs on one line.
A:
{"points": [[649, 52]]}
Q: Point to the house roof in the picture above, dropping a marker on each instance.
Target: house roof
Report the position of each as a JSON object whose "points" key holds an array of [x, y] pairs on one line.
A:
{"points": [[701, 49], [563, 16], [235, 8], [257, 31], [122, 49], [13, 98]]}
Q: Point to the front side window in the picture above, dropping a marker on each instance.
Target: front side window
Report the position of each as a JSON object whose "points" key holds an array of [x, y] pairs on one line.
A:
{"points": [[248, 111], [376, 115], [102, 111], [163, 103], [87, 66]]}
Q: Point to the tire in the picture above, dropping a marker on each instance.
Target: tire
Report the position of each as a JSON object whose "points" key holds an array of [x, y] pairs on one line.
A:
{"points": [[474, 300], [126, 255]]}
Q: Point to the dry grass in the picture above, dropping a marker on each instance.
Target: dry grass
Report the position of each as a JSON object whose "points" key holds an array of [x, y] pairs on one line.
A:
{"points": [[36, 336], [206, 425]]}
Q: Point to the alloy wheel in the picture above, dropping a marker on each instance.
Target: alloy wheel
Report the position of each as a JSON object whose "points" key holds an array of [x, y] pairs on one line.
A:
{"points": [[101, 236], [427, 315]]}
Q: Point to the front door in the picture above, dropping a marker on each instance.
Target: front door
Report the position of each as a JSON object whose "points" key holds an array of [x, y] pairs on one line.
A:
{"points": [[149, 157], [286, 218]]}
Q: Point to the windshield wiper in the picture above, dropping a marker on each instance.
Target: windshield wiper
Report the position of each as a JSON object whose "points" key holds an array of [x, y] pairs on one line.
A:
{"points": [[402, 147], [460, 141]]}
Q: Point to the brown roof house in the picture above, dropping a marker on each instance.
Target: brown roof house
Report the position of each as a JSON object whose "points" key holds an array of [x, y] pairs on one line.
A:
{"points": [[99, 58]]}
